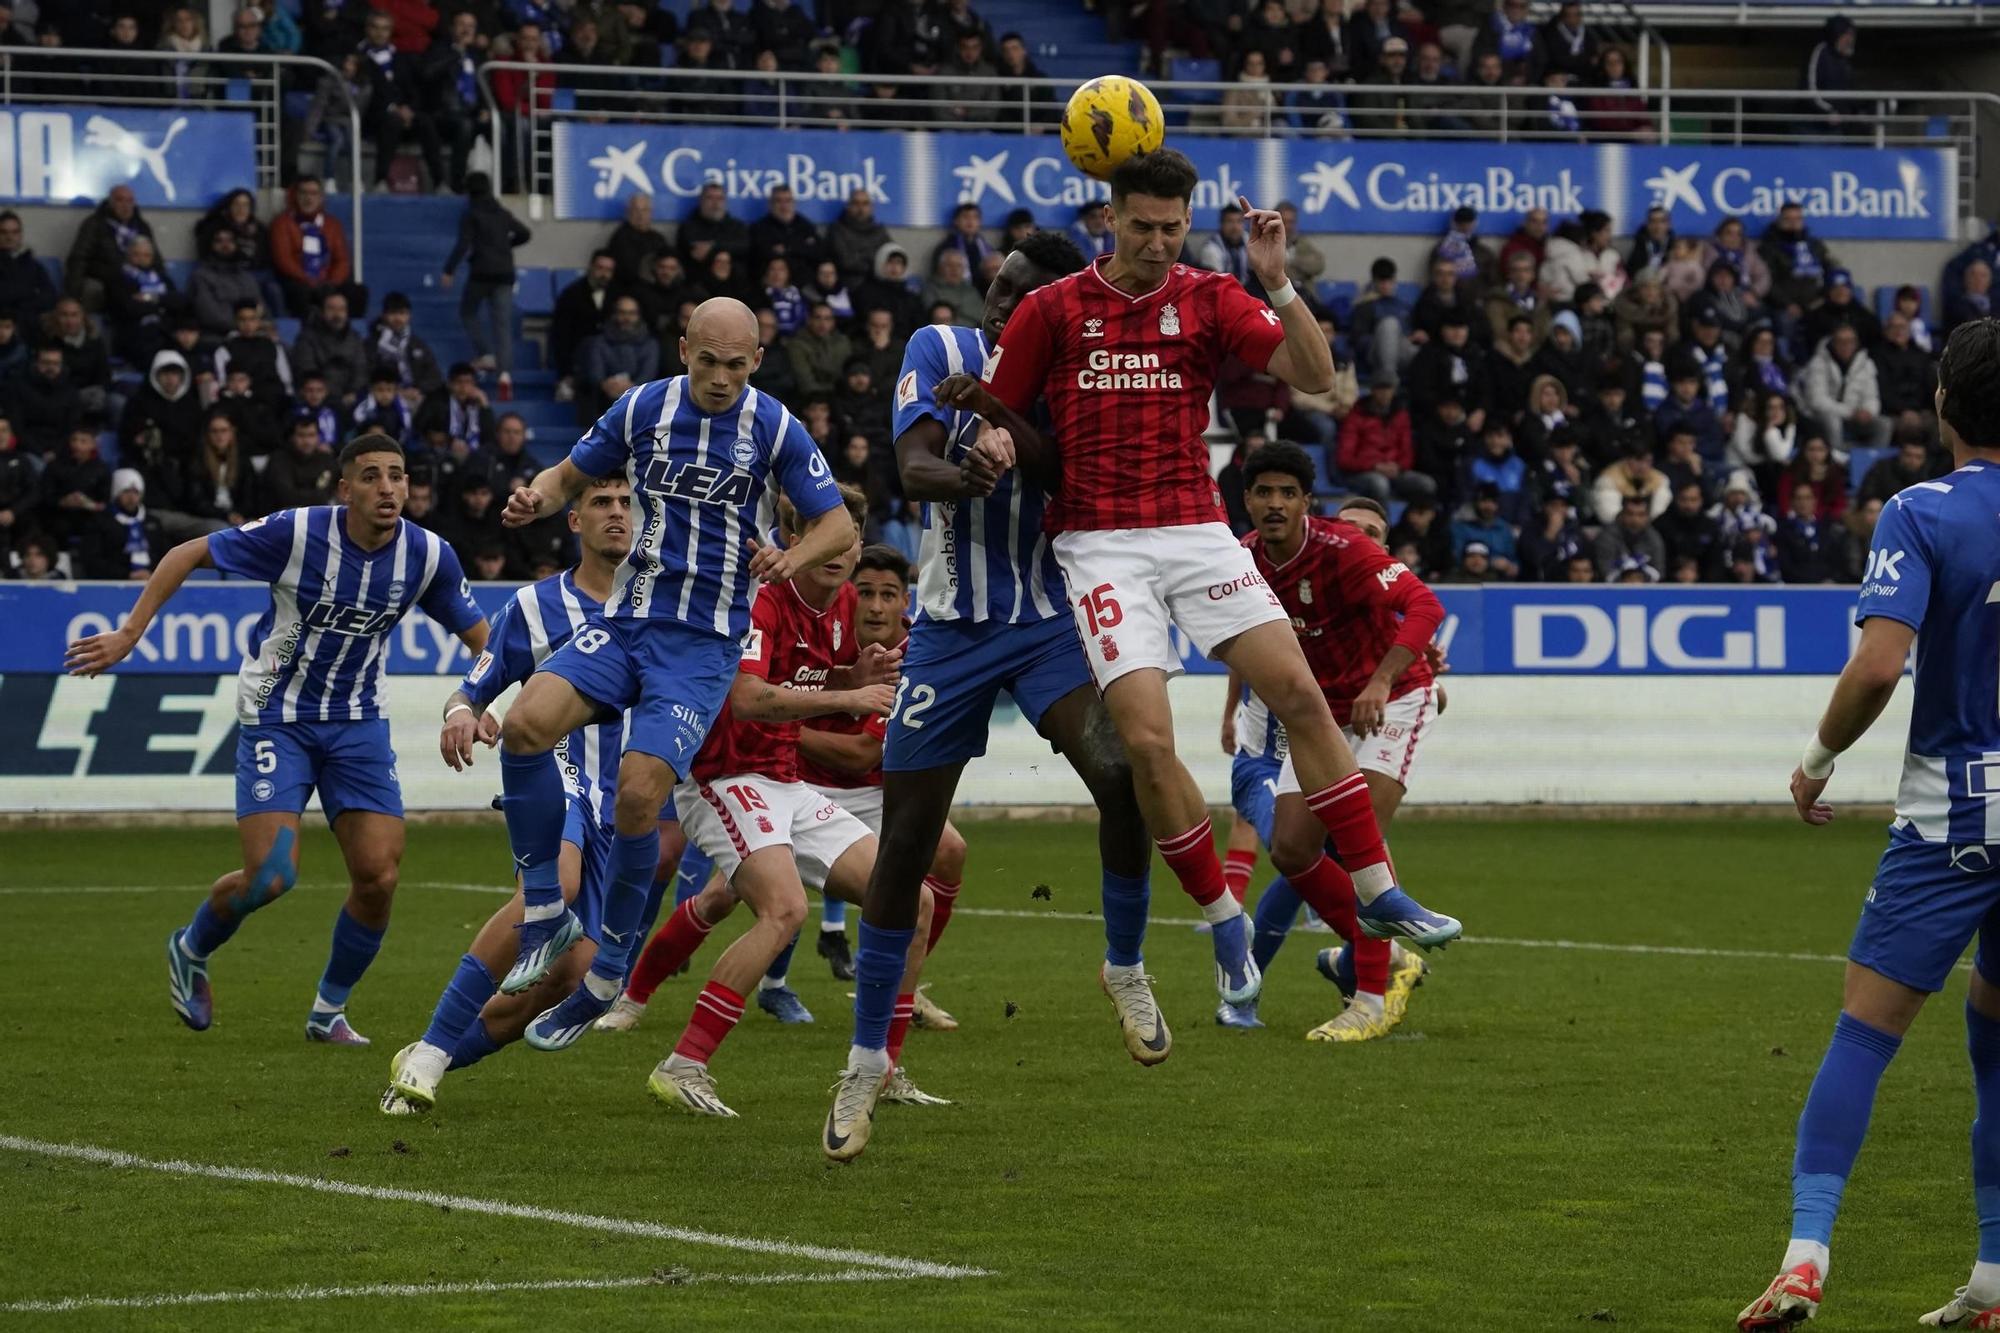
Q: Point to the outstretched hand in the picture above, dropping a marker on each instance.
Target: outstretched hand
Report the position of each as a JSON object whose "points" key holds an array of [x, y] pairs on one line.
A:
{"points": [[98, 653], [1264, 245]]}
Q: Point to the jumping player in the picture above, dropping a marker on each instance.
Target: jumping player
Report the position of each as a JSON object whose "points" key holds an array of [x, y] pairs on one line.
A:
{"points": [[309, 700], [1932, 579], [991, 616], [470, 1021], [1127, 353], [1364, 622], [706, 453]]}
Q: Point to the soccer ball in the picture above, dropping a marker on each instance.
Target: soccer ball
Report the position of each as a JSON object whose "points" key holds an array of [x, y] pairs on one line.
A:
{"points": [[1108, 120]]}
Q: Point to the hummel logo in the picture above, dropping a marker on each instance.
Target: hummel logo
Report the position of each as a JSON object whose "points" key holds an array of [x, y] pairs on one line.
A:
{"points": [[1093, 328]]}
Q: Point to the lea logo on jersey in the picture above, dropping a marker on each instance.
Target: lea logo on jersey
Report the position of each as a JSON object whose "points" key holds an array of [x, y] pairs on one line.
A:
{"points": [[684, 479], [331, 618]]}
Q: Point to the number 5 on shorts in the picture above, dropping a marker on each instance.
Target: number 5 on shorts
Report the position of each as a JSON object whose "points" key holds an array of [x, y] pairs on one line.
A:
{"points": [[1100, 609], [265, 755]]}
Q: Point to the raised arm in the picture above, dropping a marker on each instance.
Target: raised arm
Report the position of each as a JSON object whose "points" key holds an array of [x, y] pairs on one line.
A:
{"points": [[100, 652], [1303, 360], [826, 536], [754, 699], [552, 488]]}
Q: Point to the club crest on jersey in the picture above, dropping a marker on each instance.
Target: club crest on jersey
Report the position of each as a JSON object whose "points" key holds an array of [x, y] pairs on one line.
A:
{"points": [[1093, 328], [744, 451], [396, 591], [1170, 320], [1305, 592], [836, 636], [684, 479]]}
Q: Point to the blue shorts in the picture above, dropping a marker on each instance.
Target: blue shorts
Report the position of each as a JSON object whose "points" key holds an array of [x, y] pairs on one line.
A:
{"points": [[582, 831], [278, 764], [674, 679], [1253, 790], [953, 672], [1928, 901]]}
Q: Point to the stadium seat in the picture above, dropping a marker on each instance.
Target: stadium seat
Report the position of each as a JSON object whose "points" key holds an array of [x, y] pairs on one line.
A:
{"points": [[1860, 460], [1408, 292], [1338, 298], [1191, 70], [1317, 453], [54, 265], [560, 278], [178, 273], [533, 294], [288, 329]]}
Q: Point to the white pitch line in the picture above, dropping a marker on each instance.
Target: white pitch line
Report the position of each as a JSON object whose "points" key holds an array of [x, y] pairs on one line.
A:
{"points": [[495, 1208], [167, 1299]]}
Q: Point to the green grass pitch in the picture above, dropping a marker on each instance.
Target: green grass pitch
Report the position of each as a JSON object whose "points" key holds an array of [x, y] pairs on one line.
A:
{"points": [[1556, 1137]]}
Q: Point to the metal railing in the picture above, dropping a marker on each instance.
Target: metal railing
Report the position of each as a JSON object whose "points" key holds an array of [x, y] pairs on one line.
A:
{"points": [[214, 81], [1435, 113]]}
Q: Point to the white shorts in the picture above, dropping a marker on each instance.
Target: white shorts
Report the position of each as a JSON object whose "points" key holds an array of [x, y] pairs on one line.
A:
{"points": [[1406, 722], [864, 803], [733, 817], [1129, 588]]}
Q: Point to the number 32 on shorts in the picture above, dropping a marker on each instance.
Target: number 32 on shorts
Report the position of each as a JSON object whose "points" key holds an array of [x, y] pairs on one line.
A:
{"points": [[911, 701]]}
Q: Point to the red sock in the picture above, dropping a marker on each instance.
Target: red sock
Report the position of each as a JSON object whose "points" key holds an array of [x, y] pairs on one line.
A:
{"points": [[899, 1026], [1191, 856], [716, 1010], [1371, 965], [672, 944], [1237, 866], [1357, 839], [1331, 893], [943, 898]]}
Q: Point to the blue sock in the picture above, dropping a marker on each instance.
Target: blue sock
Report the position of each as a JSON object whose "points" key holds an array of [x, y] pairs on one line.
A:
{"points": [[693, 876], [1982, 1041], [470, 988], [208, 932], [1277, 912], [1125, 902], [533, 801], [354, 948], [656, 893], [781, 966], [1835, 1122], [832, 913], [878, 970], [634, 858], [474, 1046]]}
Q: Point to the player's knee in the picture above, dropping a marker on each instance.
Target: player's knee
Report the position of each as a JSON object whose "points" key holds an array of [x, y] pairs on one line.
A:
{"points": [[788, 913], [520, 734], [949, 863], [638, 804], [1294, 852]]}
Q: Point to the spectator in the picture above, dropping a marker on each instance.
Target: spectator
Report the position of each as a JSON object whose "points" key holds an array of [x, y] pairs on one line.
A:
{"points": [[1249, 104], [880, 345], [138, 300], [1630, 476], [1228, 250], [456, 420], [488, 235], [258, 428], [1091, 232], [966, 237], [784, 29], [1645, 304], [1370, 31], [1496, 465], [121, 544], [1377, 456], [856, 239], [1564, 470], [1909, 303], [1473, 260], [621, 354], [1766, 434], [1451, 363], [1688, 533], [1511, 369], [1444, 439], [721, 276], [330, 345], [711, 228], [1686, 270], [384, 409], [254, 351], [774, 372], [317, 403], [1436, 108], [1560, 116], [1018, 69], [1271, 32], [1651, 244], [950, 284], [636, 241], [731, 31], [1549, 409], [581, 309], [1753, 274], [1567, 45], [1580, 252], [1913, 461], [860, 405], [1323, 38], [1975, 297], [1742, 520], [303, 473], [1548, 544], [309, 251], [1379, 317], [1445, 295], [1630, 536], [236, 213], [471, 520], [1816, 467], [1829, 72], [971, 73], [395, 103], [350, 86], [76, 488], [20, 487], [1617, 111], [163, 417], [1476, 564], [1320, 108], [98, 255], [451, 86], [1683, 464], [1798, 261], [1811, 547], [25, 289], [1687, 408], [504, 458], [1423, 526], [220, 281], [1510, 33], [1840, 307], [1607, 428], [1486, 528], [597, 87], [1303, 261], [1562, 356], [1531, 236], [1597, 335], [1519, 296], [1760, 369], [889, 290], [829, 288], [246, 33], [395, 343], [1860, 524], [661, 295], [1386, 111], [1839, 390], [819, 353], [85, 357], [782, 298], [1906, 377], [35, 558], [783, 233], [1722, 304]]}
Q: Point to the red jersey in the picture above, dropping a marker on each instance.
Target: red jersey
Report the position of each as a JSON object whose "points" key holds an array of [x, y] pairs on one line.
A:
{"points": [[789, 644], [847, 724], [1350, 602], [1127, 379]]}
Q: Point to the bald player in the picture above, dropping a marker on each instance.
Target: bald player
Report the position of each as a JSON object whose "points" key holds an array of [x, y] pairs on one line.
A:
{"points": [[706, 455]]}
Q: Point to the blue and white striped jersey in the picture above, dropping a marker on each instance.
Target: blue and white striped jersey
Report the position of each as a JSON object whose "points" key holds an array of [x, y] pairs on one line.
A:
{"points": [[702, 485], [980, 559], [1257, 731], [1935, 566], [540, 618], [316, 655]]}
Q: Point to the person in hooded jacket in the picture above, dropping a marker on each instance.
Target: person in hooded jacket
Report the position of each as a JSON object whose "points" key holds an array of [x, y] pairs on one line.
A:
{"points": [[488, 235], [1828, 72], [164, 415]]}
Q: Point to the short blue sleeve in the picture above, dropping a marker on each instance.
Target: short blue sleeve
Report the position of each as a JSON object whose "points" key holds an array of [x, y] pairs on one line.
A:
{"points": [[509, 656], [802, 472], [448, 599], [260, 549], [924, 365], [1897, 583], [605, 448]]}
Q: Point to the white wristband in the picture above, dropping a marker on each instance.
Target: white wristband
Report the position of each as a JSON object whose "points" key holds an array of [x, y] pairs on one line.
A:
{"points": [[1282, 297], [456, 709], [1817, 762]]}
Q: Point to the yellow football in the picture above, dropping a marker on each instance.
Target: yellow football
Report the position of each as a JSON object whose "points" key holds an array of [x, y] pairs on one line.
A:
{"points": [[1108, 120]]}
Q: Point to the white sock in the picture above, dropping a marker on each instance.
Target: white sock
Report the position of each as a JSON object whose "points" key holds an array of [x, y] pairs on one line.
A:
{"points": [[1373, 882], [187, 953], [321, 1005], [831, 928], [544, 911], [1113, 971], [603, 988], [1801, 1251], [769, 983], [1372, 1003], [1225, 908], [1983, 1289], [679, 1061], [860, 1057]]}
